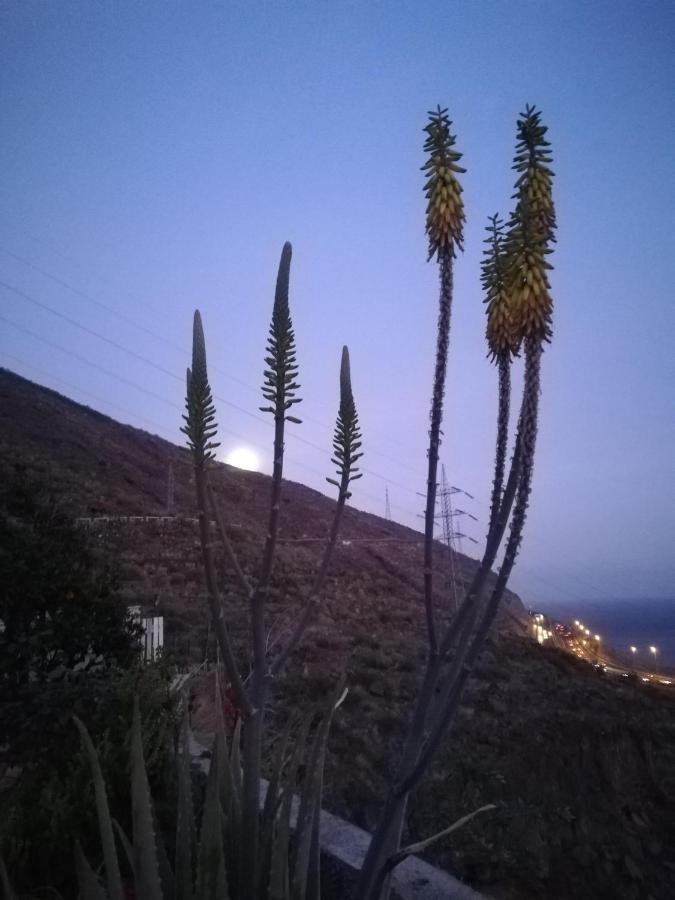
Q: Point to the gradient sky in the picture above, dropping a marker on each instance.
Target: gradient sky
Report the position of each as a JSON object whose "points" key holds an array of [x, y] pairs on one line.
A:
{"points": [[155, 157]]}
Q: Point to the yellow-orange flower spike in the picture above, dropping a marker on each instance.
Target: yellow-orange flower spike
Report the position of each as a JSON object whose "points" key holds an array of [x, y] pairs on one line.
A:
{"points": [[531, 231], [500, 332], [445, 207]]}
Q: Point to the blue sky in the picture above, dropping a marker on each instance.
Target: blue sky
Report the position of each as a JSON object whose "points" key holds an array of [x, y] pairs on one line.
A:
{"points": [[156, 156]]}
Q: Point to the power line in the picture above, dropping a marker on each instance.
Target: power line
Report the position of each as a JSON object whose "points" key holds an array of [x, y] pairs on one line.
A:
{"points": [[141, 358], [170, 403], [158, 337], [81, 390], [88, 297], [144, 359], [521, 566], [87, 362]]}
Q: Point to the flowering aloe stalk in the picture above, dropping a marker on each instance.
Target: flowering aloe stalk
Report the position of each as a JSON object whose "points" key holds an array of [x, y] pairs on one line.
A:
{"points": [[502, 346], [528, 243], [280, 392], [519, 312], [444, 228], [346, 446]]}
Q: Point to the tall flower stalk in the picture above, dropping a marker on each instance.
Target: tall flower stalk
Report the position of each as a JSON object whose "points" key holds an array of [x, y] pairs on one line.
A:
{"points": [[444, 227], [502, 346], [280, 393], [528, 243], [518, 313]]}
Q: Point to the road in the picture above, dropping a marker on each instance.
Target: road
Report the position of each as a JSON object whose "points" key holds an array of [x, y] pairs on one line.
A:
{"points": [[578, 640]]}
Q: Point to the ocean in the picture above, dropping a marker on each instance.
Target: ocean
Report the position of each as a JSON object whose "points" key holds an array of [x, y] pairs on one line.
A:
{"points": [[622, 623]]}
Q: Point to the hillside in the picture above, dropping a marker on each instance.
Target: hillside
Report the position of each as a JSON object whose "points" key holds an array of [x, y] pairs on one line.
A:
{"points": [[582, 769]]}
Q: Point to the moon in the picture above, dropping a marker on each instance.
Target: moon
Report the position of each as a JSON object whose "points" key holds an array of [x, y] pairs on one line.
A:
{"points": [[243, 458]]}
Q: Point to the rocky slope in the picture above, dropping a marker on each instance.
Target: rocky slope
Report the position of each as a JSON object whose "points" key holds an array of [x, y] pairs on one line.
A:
{"points": [[582, 769]]}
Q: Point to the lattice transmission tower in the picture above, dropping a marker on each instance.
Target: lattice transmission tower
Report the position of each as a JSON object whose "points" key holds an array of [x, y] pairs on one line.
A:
{"points": [[453, 538]]}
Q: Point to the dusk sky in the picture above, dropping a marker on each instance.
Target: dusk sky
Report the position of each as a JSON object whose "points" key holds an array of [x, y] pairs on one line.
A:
{"points": [[156, 156]]}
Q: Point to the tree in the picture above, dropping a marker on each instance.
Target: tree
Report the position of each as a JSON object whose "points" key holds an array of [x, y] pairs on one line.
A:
{"points": [[59, 614]]}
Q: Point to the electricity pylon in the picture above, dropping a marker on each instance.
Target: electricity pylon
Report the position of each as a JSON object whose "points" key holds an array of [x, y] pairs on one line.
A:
{"points": [[451, 537]]}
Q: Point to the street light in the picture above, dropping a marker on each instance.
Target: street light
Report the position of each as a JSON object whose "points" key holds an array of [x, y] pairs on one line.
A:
{"points": [[653, 651]]}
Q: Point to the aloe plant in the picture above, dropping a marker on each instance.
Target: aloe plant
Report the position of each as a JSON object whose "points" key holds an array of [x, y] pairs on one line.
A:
{"points": [[207, 852], [280, 393], [519, 307], [502, 346], [239, 851]]}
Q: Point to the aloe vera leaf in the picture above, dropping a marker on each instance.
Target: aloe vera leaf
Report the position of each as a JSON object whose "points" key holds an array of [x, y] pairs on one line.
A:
{"points": [[126, 846], [228, 795], [279, 869], [211, 876], [310, 805], [235, 760], [148, 883], [185, 818], [7, 888], [166, 877], [112, 869], [89, 885], [271, 808]]}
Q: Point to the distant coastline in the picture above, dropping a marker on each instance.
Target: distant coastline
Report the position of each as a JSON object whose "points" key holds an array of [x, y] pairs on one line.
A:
{"points": [[624, 623]]}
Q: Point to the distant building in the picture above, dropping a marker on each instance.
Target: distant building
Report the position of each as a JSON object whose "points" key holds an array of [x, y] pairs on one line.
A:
{"points": [[153, 633]]}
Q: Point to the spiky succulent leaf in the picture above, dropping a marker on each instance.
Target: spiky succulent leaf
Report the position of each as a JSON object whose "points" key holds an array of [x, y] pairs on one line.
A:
{"points": [[531, 231], [211, 877], [185, 819], [273, 799], [279, 870], [126, 846], [228, 796], [87, 881], [281, 369], [306, 883], [146, 864], [200, 425], [7, 888], [235, 762], [445, 207], [347, 439], [112, 869], [499, 332]]}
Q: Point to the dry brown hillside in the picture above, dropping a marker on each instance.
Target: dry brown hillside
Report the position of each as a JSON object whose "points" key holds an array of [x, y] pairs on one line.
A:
{"points": [[582, 769]]}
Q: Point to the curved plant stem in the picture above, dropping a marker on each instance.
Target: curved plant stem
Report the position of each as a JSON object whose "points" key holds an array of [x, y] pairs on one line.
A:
{"points": [[226, 542], [312, 601], [442, 341], [214, 599], [464, 661], [502, 436]]}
